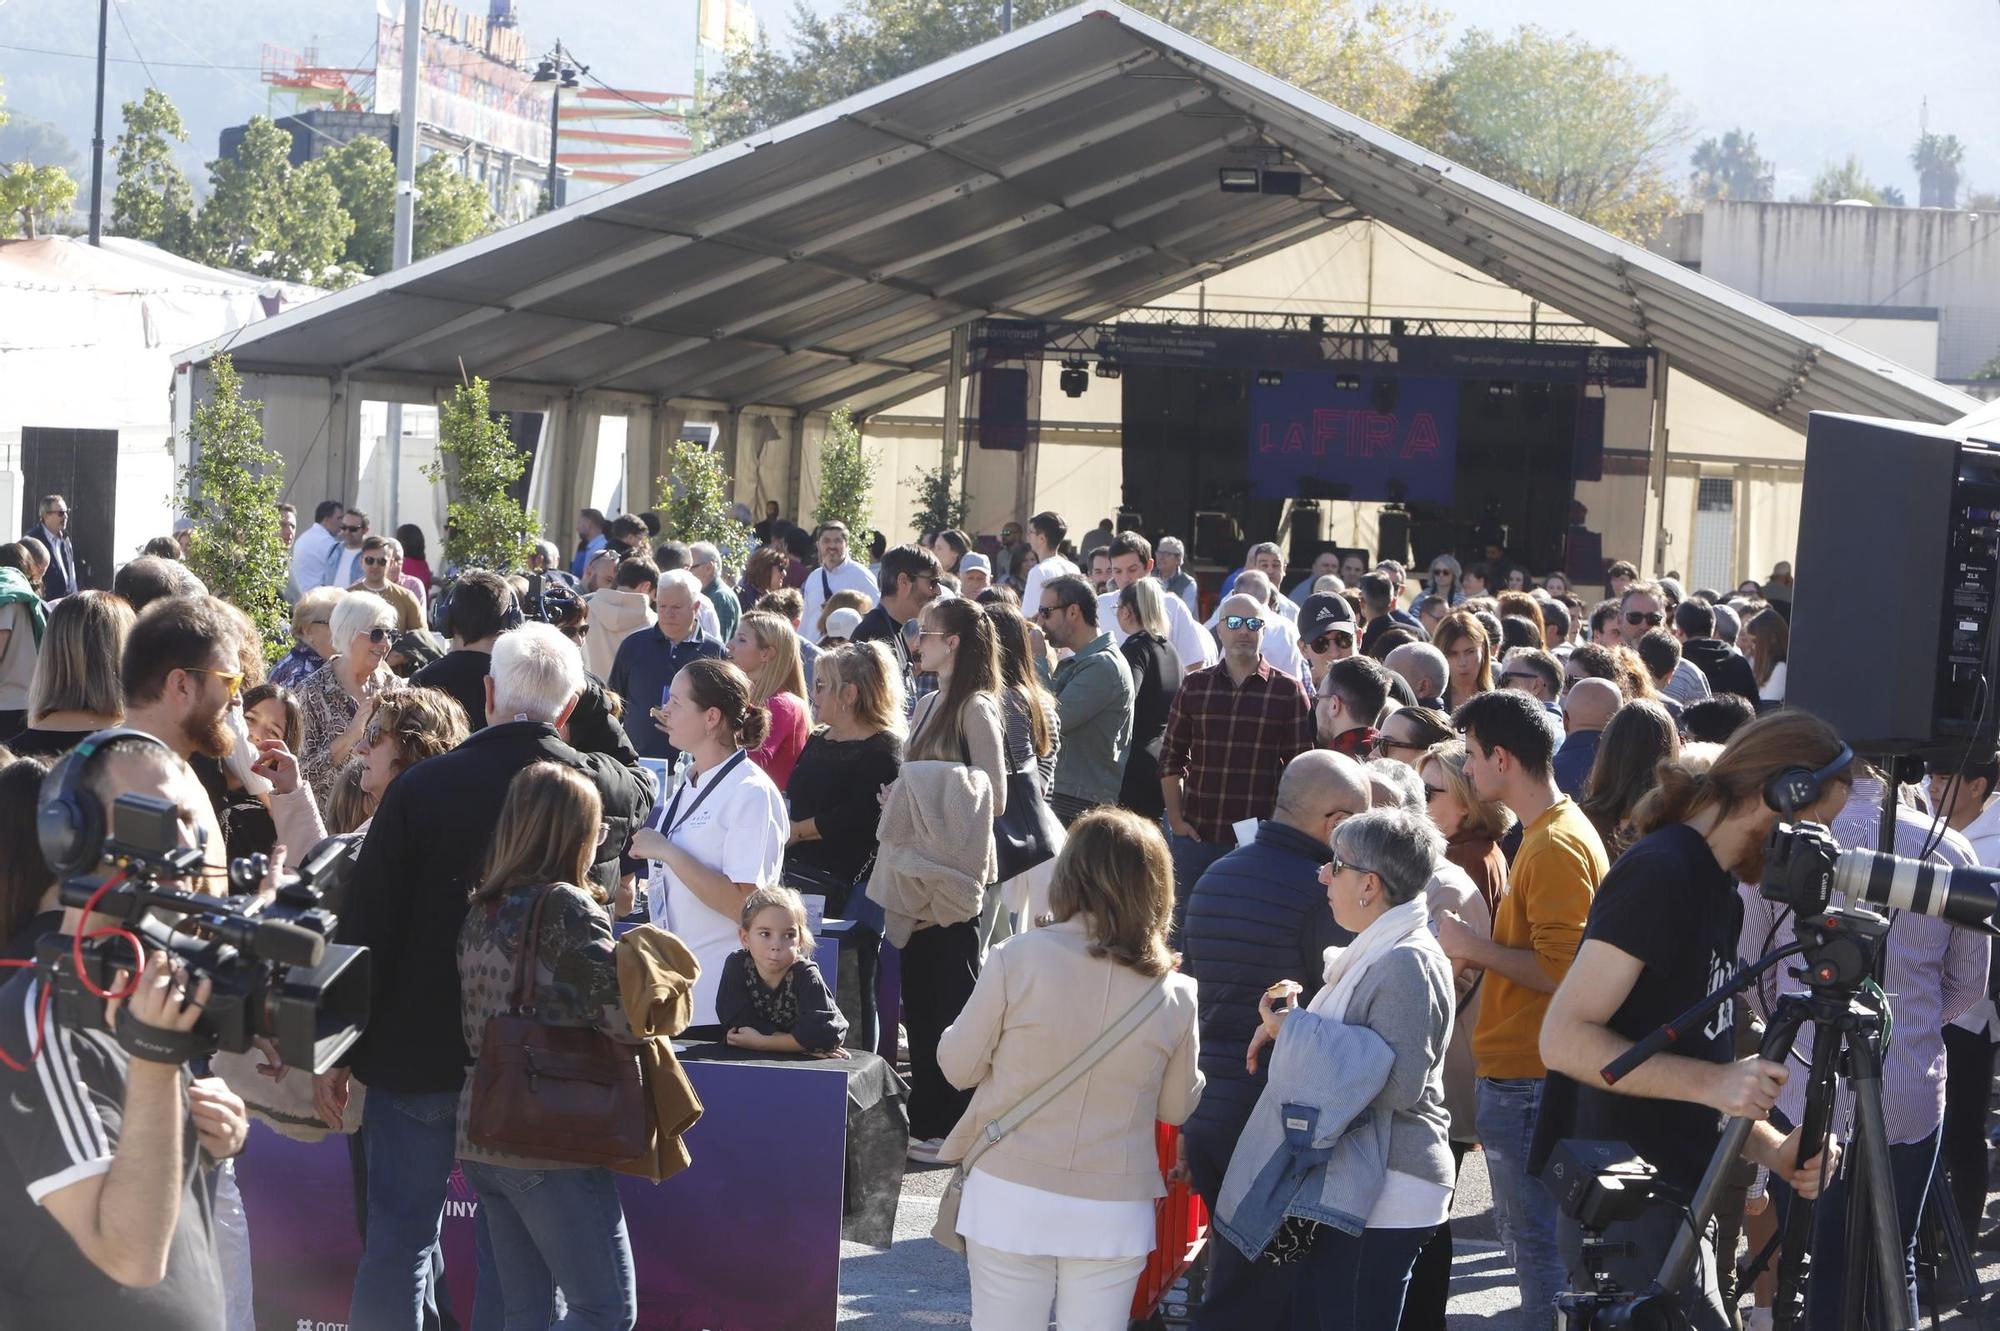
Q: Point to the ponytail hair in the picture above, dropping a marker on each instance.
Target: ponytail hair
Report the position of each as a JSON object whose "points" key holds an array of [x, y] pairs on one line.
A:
{"points": [[1756, 753], [720, 686]]}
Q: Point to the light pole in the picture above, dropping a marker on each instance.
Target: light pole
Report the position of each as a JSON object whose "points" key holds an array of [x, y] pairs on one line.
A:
{"points": [[556, 69], [97, 139]]}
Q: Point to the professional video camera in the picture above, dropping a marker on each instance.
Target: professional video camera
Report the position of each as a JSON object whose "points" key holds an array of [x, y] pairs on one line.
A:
{"points": [[1804, 866], [274, 974]]}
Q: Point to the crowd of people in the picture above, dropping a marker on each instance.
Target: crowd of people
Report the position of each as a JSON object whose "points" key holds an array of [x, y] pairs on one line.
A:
{"points": [[1385, 858]]}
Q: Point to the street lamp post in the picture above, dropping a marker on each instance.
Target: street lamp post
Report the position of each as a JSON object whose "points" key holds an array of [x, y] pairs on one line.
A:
{"points": [[555, 68]]}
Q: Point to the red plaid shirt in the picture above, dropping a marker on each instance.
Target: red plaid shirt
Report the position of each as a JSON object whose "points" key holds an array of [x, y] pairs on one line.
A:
{"points": [[1229, 744]]}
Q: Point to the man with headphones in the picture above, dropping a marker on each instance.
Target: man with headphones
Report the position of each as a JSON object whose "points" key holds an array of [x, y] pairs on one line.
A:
{"points": [[104, 1194], [1662, 933], [482, 608]]}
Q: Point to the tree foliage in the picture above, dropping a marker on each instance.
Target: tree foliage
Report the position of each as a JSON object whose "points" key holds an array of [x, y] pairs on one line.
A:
{"points": [[452, 208], [846, 475], [1730, 168], [363, 172], [485, 526], [1838, 181], [1938, 159], [153, 200], [1365, 57], [32, 197], [939, 505], [231, 490], [268, 217], [1571, 124], [694, 504]]}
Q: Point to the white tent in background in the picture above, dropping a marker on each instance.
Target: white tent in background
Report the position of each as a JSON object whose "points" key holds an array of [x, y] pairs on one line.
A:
{"points": [[87, 343]]}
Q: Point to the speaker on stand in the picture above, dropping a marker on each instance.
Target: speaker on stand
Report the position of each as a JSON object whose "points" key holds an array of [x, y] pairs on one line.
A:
{"points": [[1308, 533], [1392, 534]]}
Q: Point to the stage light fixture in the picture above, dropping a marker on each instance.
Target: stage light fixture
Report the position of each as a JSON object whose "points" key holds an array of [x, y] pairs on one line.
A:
{"points": [[1290, 183], [1316, 324], [1108, 368], [1347, 383], [1240, 180], [1499, 388], [1075, 377], [1270, 378], [1397, 327]]}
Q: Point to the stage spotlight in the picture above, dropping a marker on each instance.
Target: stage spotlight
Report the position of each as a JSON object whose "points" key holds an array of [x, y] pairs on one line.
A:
{"points": [[1397, 327], [1075, 379], [1240, 180], [1499, 388], [1290, 183], [1347, 383], [1316, 324], [1269, 378], [1107, 368]]}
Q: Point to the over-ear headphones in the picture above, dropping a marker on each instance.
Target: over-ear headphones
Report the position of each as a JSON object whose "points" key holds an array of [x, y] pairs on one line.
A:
{"points": [[446, 621], [70, 822], [1794, 788]]}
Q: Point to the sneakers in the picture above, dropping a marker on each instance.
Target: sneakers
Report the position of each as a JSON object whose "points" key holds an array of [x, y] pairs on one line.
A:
{"points": [[925, 1151]]}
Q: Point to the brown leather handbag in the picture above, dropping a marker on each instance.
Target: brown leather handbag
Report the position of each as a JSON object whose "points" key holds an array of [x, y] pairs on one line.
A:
{"points": [[568, 1093]]}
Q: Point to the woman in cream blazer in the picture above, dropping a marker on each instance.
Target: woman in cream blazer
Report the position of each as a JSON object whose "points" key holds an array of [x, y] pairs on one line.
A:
{"points": [[1060, 1213]]}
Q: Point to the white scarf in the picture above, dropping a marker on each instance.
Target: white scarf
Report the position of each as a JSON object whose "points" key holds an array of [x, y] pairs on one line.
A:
{"points": [[1346, 965]]}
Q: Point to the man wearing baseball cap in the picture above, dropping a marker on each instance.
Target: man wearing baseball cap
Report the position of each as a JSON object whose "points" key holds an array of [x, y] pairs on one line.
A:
{"points": [[1327, 633], [975, 574]]}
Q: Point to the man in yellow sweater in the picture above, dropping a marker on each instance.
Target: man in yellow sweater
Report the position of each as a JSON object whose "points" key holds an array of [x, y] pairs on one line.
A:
{"points": [[1537, 927]]}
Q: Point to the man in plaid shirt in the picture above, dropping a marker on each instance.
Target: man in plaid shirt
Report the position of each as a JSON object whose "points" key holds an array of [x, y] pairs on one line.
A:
{"points": [[1232, 728]]}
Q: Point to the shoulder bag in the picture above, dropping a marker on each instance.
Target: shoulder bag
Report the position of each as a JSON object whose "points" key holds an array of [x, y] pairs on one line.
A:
{"points": [[568, 1093], [1027, 834], [945, 1231]]}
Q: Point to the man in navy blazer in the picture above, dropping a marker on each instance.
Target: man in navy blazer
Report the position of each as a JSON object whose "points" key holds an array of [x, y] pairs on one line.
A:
{"points": [[59, 579]]}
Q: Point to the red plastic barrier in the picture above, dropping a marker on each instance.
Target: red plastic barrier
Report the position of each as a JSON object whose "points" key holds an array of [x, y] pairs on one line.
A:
{"points": [[1183, 1225]]}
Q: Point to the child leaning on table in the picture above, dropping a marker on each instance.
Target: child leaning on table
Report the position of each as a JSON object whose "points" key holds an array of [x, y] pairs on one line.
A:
{"points": [[772, 996]]}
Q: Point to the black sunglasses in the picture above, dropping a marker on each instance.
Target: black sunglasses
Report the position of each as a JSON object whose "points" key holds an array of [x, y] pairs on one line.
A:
{"points": [[373, 561], [381, 635], [1653, 617]]}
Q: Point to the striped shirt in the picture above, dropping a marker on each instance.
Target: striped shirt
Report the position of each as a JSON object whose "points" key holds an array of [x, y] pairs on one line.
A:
{"points": [[1229, 744]]}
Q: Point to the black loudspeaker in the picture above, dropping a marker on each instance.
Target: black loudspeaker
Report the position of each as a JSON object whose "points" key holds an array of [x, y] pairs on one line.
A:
{"points": [[1308, 533], [1217, 538], [1892, 614], [1392, 536]]}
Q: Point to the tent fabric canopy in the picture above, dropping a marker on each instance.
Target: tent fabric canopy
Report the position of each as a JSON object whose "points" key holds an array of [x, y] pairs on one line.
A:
{"points": [[1062, 173]]}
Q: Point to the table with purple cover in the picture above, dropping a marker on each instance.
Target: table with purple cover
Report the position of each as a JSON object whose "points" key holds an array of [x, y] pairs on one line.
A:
{"points": [[747, 1238]]}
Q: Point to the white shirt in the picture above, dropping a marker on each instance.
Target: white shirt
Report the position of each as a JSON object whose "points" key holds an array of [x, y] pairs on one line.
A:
{"points": [[739, 830], [706, 619], [823, 582], [1983, 833], [1035, 1222], [1195, 646], [1055, 566], [310, 550], [347, 571], [1774, 687]]}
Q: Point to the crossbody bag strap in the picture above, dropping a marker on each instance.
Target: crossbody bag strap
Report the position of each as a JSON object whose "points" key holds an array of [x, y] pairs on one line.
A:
{"points": [[524, 973], [1113, 1036]]}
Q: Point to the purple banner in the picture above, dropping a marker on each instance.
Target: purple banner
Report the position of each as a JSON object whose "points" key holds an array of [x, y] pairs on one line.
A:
{"points": [[1347, 435], [747, 1238]]}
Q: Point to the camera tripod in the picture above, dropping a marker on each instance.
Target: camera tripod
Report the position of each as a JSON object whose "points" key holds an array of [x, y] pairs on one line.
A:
{"points": [[1839, 949]]}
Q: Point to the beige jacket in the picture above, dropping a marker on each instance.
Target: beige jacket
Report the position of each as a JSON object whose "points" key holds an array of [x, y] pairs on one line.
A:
{"points": [[1452, 889], [614, 616], [1040, 1001], [936, 854]]}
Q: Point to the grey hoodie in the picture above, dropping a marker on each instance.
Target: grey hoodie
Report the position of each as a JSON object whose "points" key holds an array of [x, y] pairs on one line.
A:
{"points": [[614, 616]]}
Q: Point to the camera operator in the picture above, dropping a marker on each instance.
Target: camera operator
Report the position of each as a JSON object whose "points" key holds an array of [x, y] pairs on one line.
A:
{"points": [[1933, 974], [406, 902], [1662, 933], [103, 1196]]}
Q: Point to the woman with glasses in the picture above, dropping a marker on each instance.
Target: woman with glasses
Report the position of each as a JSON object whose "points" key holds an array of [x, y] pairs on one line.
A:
{"points": [[1395, 984], [339, 698], [1472, 826], [406, 727], [1409, 732], [1444, 583], [1469, 653]]}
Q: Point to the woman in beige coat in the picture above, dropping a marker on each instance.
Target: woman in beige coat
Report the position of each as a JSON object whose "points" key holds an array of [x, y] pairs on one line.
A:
{"points": [[1060, 1212]]}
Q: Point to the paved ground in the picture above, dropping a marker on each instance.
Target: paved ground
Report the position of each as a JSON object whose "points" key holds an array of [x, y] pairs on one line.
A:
{"points": [[917, 1284]]}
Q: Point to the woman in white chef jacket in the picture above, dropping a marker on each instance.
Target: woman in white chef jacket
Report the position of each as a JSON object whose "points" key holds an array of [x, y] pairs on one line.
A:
{"points": [[721, 835]]}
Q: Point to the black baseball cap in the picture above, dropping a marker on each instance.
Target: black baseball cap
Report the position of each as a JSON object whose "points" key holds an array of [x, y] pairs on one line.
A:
{"points": [[1321, 612]]}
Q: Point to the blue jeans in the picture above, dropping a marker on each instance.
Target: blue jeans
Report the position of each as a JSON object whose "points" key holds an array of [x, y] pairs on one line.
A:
{"points": [[1525, 1209], [558, 1228], [1239, 1292], [409, 1142], [1191, 859], [1910, 1167], [1356, 1280]]}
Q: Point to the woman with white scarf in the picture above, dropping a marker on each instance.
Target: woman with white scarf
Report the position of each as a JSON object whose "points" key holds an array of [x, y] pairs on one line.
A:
{"points": [[1393, 980]]}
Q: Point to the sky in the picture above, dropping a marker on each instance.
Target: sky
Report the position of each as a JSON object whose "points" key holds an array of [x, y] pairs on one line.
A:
{"points": [[1813, 79]]}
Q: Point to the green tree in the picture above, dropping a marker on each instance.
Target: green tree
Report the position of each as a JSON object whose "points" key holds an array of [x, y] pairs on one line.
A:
{"points": [[153, 200], [1938, 159], [939, 505], [1848, 180], [266, 216], [1367, 57], [1571, 124], [363, 171], [485, 526], [452, 208], [31, 196], [231, 489], [1730, 168], [846, 475], [694, 504]]}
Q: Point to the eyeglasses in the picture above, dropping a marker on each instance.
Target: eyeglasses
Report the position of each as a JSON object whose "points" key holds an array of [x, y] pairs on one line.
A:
{"points": [[380, 636], [58, 513], [1652, 617], [1046, 611], [1384, 743], [231, 679], [374, 561], [1324, 642], [1242, 622], [1512, 676], [1337, 864], [344, 527], [1440, 573]]}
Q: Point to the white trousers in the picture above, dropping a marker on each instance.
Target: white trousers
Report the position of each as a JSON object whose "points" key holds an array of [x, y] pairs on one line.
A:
{"points": [[1011, 1292]]}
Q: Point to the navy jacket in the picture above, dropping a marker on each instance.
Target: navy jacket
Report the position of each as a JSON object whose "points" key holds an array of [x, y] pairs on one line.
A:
{"points": [[1258, 915], [1574, 760], [645, 665]]}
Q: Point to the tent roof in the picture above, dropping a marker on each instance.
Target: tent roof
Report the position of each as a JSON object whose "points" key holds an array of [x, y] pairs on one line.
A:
{"points": [[1063, 172]]}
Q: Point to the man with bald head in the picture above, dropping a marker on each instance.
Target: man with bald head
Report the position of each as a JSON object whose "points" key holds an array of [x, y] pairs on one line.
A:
{"points": [[1587, 709], [1232, 728], [1281, 633], [1424, 669], [1257, 916]]}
